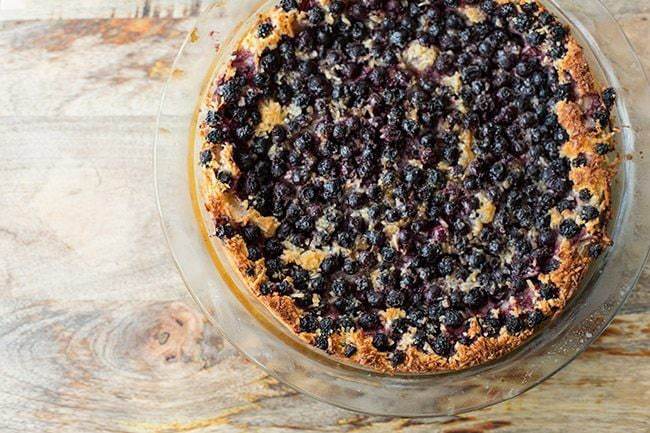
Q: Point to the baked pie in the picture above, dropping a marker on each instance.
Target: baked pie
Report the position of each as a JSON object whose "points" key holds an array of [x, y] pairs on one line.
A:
{"points": [[411, 186]]}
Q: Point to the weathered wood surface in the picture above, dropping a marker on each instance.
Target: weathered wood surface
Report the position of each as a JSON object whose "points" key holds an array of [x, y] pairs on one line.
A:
{"points": [[96, 331], [63, 9]]}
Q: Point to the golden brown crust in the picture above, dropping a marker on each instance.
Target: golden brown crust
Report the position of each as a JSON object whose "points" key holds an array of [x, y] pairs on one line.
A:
{"points": [[575, 65], [573, 256]]}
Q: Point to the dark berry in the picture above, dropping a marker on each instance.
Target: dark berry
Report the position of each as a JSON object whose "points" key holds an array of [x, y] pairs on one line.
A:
{"points": [[339, 287], [441, 346], [475, 298], [452, 319], [584, 194], [308, 323], [534, 319], [589, 213], [288, 5], [446, 266], [513, 325], [264, 29], [603, 148], [388, 254], [548, 291], [315, 15], [395, 298], [322, 342], [205, 157], [330, 264], [609, 97], [349, 350], [397, 357], [490, 326], [380, 342], [569, 228]]}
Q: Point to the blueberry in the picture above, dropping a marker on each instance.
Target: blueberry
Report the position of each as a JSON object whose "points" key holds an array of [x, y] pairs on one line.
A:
{"points": [[264, 30], [322, 342], [375, 237], [498, 171], [609, 97], [452, 319], [251, 233], [305, 224], [535, 38], [490, 326], [546, 237], [446, 266], [589, 213], [398, 38], [389, 255], [475, 298], [330, 264], [548, 291], [265, 288], [534, 318], [224, 231], [395, 298], [603, 148], [283, 288], [349, 350], [339, 287], [315, 15], [476, 259], [340, 131], [345, 239], [270, 61], [397, 358], [288, 5], [380, 342], [569, 228], [513, 324], [205, 157], [584, 194], [355, 200], [216, 136], [375, 299], [273, 248], [441, 346], [317, 284], [363, 284], [428, 140], [308, 322], [595, 250]]}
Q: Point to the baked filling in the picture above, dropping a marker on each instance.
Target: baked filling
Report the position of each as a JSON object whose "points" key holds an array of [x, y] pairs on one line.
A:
{"points": [[414, 186]]}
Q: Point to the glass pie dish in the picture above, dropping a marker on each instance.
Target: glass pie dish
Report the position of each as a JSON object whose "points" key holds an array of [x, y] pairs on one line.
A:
{"points": [[229, 305]]}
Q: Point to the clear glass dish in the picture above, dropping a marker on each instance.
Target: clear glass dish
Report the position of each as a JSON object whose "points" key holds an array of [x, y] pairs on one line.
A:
{"points": [[217, 288]]}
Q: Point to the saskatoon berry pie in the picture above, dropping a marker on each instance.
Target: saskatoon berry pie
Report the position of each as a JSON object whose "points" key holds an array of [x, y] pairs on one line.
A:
{"points": [[410, 185]]}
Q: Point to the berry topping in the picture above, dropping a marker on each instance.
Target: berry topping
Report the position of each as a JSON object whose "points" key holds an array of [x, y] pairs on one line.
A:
{"points": [[403, 173]]}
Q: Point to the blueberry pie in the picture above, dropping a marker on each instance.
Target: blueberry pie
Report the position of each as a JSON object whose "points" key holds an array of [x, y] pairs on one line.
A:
{"points": [[409, 185]]}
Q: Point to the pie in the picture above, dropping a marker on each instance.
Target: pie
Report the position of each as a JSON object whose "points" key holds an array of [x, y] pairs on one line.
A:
{"points": [[410, 186]]}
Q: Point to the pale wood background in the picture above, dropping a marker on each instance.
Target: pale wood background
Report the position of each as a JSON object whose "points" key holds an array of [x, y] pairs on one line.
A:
{"points": [[97, 333]]}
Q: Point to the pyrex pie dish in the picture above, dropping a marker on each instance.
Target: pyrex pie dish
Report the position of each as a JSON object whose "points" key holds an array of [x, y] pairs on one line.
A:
{"points": [[229, 305]]}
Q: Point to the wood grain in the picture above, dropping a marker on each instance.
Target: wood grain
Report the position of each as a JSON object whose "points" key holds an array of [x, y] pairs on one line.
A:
{"points": [[62, 9], [96, 330]]}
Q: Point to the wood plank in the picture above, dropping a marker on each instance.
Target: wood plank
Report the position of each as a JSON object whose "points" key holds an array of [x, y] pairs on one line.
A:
{"points": [[154, 367], [86, 67], [97, 9], [77, 194], [86, 9]]}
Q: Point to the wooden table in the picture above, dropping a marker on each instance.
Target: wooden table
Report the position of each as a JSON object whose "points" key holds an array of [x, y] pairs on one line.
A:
{"points": [[97, 332]]}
